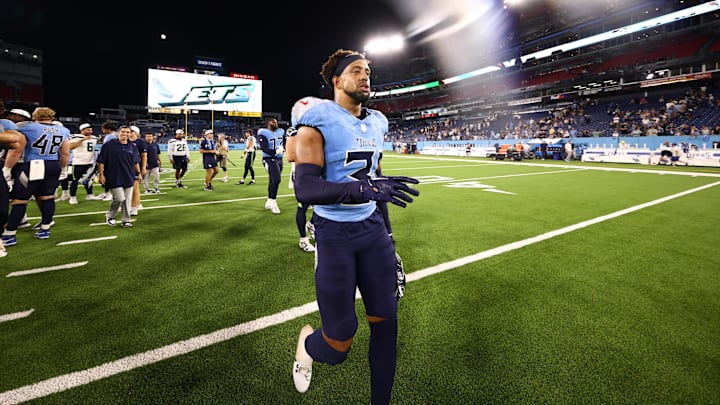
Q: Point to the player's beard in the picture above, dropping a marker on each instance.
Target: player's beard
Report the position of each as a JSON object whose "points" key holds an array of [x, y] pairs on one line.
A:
{"points": [[358, 96]]}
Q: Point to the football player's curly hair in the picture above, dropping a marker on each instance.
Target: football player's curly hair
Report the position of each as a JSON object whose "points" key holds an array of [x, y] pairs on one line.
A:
{"points": [[328, 68]]}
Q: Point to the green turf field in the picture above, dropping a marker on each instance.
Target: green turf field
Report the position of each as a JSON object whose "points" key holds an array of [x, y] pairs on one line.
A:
{"points": [[528, 282]]}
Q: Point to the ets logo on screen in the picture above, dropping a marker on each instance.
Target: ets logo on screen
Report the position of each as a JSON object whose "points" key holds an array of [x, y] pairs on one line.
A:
{"points": [[171, 89], [213, 94]]}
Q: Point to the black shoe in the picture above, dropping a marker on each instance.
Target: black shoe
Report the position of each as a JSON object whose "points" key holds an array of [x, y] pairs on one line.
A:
{"points": [[252, 181], [240, 182]]}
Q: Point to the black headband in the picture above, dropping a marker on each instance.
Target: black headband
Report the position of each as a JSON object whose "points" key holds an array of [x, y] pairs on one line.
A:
{"points": [[345, 62]]}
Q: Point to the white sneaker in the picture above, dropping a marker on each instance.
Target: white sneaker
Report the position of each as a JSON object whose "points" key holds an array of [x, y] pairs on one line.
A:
{"points": [[133, 211], [107, 197], [302, 368], [274, 207], [92, 197], [225, 179], [305, 245], [3, 252], [268, 204], [73, 200], [63, 197]]}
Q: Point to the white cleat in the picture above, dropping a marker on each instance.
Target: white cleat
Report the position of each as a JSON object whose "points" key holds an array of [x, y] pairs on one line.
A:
{"points": [[275, 209], [305, 245], [302, 368]]}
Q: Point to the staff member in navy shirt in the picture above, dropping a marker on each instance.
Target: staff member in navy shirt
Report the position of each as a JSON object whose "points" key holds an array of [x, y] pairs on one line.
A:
{"points": [[118, 169]]}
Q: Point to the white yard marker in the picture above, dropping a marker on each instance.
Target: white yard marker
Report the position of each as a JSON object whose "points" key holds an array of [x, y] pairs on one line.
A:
{"points": [[78, 378], [73, 242], [15, 315], [46, 269]]}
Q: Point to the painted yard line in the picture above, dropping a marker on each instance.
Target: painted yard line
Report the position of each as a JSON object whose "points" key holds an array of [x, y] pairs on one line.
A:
{"points": [[498, 177], [15, 315], [45, 269], [73, 242], [609, 169], [78, 378], [545, 236]]}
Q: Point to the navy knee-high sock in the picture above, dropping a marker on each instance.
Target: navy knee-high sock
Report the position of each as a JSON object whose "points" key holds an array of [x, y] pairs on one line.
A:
{"points": [[47, 208], [320, 351], [17, 212], [300, 218], [383, 357]]}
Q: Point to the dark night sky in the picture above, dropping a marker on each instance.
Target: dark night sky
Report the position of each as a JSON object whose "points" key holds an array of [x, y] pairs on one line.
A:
{"points": [[97, 56]]}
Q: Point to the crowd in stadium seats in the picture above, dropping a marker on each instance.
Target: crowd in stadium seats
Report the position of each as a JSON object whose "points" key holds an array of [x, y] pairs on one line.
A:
{"points": [[695, 112]]}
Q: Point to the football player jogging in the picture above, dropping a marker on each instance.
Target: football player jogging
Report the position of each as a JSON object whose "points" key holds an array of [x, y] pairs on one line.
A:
{"points": [[83, 151], [208, 149], [338, 150], [179, 154], [46, 150], [272, 143]]}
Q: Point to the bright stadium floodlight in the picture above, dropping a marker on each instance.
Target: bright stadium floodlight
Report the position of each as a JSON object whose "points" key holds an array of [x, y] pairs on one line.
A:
{"points": [[385, 45]]}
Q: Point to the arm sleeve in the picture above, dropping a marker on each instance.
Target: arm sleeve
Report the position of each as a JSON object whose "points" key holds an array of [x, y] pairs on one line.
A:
{"points": [[311, 188], [265, 145]]}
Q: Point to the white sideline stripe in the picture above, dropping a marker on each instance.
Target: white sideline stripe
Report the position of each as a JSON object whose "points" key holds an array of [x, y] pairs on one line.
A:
{"points": [[44, 269], [416, 275], [16, 315], [72, 242], [78, 378]]}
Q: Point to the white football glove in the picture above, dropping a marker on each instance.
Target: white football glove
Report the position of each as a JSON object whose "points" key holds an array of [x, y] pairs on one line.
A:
{"points": [[302, 105], [7, 174], [280, 150]]}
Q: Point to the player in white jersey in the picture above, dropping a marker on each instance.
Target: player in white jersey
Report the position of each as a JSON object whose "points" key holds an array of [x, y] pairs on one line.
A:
{"points": [[82, 146], [179, 154]]}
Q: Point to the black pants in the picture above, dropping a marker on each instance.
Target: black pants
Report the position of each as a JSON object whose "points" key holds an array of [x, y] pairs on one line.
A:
{"points": [[249, 161]]}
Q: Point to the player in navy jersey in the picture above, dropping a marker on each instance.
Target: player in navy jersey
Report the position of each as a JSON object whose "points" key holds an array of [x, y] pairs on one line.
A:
{"points": [[46, 152], [272, 143], [338, 150], [208, 149], [119, 169]]}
